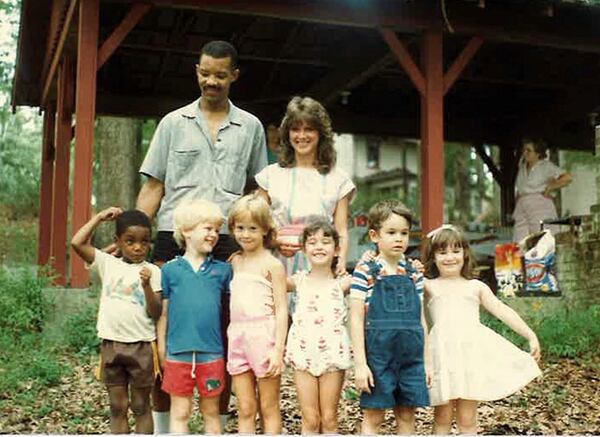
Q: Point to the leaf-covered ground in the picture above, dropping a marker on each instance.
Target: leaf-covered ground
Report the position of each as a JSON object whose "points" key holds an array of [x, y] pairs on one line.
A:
{"points": [[564, 401]]}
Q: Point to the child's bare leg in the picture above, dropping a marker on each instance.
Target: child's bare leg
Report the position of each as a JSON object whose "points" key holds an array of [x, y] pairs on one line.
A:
{"points": [[307, 387], [209, 407], [466, 416], [442, 418], [372, 420], [269, 389], [181, 410], [330, 388], [140, 405], [119, 405], [405, 419], [244, 387]]}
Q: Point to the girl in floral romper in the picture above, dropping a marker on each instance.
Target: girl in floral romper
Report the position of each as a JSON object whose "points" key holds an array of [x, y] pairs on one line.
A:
{"points": [[318, 347]]}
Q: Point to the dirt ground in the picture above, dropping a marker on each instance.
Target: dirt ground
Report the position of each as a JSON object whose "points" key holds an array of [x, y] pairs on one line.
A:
{"points": [[564, 401]]}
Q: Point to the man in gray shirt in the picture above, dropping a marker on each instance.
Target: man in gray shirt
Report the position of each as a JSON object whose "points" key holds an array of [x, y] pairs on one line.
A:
{"points": [[208, 149]]}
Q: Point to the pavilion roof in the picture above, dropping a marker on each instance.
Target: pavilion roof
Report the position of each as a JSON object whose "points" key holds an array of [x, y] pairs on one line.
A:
{"points": [[536, 73]]}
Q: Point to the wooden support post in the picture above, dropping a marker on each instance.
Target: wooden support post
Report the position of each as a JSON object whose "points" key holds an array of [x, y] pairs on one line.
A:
{"points": [[135, 14], [432, 132], [87, 57], [60, 202], [46, 179]]}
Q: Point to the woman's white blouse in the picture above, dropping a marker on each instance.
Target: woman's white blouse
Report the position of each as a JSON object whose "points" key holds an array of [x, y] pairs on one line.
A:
{"points": [[536, 179]]}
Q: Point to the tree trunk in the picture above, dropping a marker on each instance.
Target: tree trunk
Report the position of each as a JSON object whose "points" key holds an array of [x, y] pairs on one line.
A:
{"points": [[118, 143]]}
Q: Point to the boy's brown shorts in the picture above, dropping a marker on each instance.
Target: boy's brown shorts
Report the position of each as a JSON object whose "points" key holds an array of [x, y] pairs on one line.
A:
{"points": [[129, 364]]}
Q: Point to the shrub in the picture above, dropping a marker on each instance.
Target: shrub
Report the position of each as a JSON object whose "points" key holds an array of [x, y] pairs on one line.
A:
{"points": [[23, 306], [79, 331]]}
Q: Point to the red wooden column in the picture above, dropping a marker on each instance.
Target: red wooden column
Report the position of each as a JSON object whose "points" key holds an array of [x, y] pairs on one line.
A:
{"points": [[87, 59], [46, 179], [432, 132], [60, 203]]}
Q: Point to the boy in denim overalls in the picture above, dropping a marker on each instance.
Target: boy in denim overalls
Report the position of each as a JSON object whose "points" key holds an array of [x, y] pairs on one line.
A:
{"points": [[387, 317]]}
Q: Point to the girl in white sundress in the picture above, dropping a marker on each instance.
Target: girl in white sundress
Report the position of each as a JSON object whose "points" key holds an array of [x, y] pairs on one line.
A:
{"points": [[469, 362], [318, 347]]}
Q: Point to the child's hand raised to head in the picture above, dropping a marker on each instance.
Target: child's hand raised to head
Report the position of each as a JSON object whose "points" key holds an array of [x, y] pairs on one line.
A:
{"points": [[110, 213], [363, 378], [145, 275], [534, 348], [275, 359]]}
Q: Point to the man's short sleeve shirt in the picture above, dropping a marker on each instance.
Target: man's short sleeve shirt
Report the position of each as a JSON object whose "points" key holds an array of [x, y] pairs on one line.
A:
{"points": [[183, 156], [195, 304]]}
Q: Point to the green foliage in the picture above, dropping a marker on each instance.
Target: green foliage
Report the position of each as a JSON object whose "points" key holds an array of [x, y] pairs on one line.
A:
{"points": [[27, 360], [563, 333], [571, 333], [23, 306], [80, 331], [18, 239]]}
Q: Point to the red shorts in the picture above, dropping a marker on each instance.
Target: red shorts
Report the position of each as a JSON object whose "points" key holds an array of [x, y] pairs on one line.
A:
{"points": [[179, 378]]}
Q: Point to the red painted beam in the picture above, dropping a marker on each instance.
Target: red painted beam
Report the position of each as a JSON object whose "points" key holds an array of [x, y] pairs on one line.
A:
{"points": [[48, 79], [135, 14], [432, 132], [60, 202], [46, 179], [87, 59], [461, 62], [404, 58]]}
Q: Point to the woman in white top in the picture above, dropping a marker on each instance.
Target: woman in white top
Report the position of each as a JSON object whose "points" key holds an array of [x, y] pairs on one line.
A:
{"points": [[305, 182], [536, 179]]}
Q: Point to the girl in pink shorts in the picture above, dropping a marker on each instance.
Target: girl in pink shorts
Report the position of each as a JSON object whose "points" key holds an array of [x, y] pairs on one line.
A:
{"points": [[259, 317]]}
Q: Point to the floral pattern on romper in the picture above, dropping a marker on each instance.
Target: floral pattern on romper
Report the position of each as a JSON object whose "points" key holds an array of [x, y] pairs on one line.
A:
{"points": [[318, 340]]}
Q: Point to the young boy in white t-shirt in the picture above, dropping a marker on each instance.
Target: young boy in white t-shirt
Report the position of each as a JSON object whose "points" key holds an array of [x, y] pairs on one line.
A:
{"points": [[129, 307]]}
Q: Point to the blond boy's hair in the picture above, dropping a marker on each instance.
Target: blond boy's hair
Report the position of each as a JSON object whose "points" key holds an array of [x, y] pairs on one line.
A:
{"points": [[258, 209], [189, 213]]}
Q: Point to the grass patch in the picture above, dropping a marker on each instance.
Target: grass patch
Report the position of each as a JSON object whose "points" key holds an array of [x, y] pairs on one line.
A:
{"points": [[563, 332]]}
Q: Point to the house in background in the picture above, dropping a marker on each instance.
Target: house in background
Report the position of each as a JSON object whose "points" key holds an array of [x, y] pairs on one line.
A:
{"points": [[389, 165]]}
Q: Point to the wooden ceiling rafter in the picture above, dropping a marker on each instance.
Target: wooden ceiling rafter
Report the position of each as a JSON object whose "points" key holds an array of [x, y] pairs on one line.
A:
{"points": [[287, 44], [242, 56], [48, 78], [131, 19]]}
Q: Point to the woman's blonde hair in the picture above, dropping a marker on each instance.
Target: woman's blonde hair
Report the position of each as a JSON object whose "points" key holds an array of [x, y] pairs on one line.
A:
{"points": [[189, 213], [444, 237], [258, 209], [309, 111]]}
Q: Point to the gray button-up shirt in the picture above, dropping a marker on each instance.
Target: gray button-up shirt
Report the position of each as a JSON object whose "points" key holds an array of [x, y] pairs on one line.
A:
{"points": [[183, 157]]}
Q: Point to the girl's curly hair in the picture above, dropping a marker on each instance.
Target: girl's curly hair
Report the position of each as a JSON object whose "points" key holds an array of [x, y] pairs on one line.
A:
{"points": [[307, 110]]}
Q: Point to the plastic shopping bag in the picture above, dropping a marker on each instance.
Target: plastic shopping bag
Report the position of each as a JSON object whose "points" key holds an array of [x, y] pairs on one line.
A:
{"points": [[540, 264]]}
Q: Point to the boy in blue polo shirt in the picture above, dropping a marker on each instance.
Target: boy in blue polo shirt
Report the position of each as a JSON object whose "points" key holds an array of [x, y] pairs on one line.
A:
{"points": [[388, 335], [195, 292]]}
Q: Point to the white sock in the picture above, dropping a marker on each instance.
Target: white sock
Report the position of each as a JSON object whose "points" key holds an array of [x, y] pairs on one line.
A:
{"points": [[161, 422], [224, 418]]}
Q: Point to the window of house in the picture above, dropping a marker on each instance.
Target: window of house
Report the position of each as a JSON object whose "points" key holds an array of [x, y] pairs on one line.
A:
{"points": [[373, 144]]}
